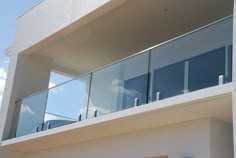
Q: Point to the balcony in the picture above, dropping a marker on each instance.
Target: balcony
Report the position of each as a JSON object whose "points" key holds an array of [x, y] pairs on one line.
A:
{"points": [[197, 63]]}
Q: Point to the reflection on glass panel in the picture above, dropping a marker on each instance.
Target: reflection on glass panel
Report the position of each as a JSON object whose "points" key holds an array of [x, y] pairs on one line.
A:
{"points": [[168, 81], [68, 101], [205, 69], [167, 70], [31, 114], [138, 87], [15, 120], [115, 87], [52, 121]]}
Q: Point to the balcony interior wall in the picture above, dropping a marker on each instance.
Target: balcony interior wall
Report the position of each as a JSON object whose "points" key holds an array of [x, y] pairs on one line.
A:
{"points": [[234, 114], [64, 13]]}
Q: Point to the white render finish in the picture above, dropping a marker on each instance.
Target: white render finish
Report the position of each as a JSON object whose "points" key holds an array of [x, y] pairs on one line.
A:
{"points": [[192, 138], [64, 13], [234, 108], [221, 139], [234, 79], [38, 72], [10, 154]]}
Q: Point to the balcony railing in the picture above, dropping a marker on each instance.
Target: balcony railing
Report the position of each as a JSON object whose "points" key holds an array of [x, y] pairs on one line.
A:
{"points": [[194, 61]]}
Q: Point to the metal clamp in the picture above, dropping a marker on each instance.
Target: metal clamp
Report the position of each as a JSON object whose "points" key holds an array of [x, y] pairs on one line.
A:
{"points": [[36, 129], [48, 125], [221, 79], [158, 96], [136, 102], [80, 117], [14, 135], [95, 113]]}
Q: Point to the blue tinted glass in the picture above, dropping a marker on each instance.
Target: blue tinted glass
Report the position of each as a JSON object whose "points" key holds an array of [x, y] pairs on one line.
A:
{"points": [[229, 75], [56, 121], [205, 69], [15, 120], [31, 114], [115, 87], [67, 101], [169, 81], [139, 86]]}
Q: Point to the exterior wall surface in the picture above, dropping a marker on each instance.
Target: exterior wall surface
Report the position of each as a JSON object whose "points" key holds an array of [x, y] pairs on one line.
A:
{"points": [[177, 141], [10, 154], [234, 79], [19, 86], [221, 139], [64, 12], [234, 114]]}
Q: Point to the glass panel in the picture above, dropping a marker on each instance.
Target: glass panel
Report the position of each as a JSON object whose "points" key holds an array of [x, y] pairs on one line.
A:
{"points": [[115, 87], [31, 114], [138, 86], [56, 121], [15, 120], [67, 102], [204, 70], [168, 81], [229, 66], [167, 70]]}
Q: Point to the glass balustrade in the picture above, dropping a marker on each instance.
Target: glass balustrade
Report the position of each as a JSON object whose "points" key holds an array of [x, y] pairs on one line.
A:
{"points": [[31, 114], [54, 120], [198, 60], [117, 86], [72, 108]]}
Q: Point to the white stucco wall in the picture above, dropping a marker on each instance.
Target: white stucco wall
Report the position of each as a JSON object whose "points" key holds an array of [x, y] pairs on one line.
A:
{"points": [[177, 141], [205, 138], [10, 154], [221, 139]]}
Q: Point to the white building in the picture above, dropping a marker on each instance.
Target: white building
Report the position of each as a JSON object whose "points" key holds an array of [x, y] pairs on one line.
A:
{"points": [[151, 79]]}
